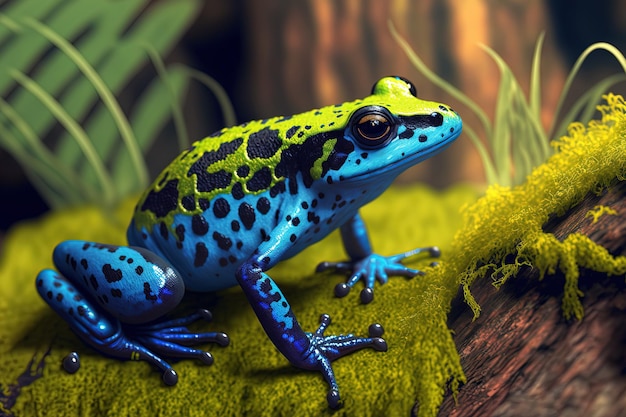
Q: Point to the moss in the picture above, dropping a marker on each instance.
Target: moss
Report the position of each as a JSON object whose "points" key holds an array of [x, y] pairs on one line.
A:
{"points": [[249, 377], [599, 211], [509, 220]]}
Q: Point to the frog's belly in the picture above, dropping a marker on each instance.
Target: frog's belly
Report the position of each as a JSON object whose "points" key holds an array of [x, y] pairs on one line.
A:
{"points": [[206, 253]]}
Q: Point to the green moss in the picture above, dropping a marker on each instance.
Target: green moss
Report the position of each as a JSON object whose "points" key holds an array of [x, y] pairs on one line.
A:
{"points": [[249, 377], [599, 211], [509, 220]]}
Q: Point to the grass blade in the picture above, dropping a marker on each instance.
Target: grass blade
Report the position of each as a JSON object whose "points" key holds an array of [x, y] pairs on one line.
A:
{"points": [[517, 139], [619, 57], [93, 26], [18, 9], [225, 104], [51, 81], [535, 80], [32, 145], [585, 106], [490, 172], [74, 128], [168, 81], [441, 83], [105, 94], [45, 180], [501, 139], [119, 65], [149, 119]]}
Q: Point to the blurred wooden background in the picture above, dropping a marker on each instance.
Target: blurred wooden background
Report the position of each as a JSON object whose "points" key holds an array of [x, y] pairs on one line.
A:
{"points": [[285, 56]]}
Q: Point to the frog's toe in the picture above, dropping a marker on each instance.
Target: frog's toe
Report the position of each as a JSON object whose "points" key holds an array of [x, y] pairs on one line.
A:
{"points": [[152, 346], [334, 266], [397, 269], [184, 337], [170, 377], [333, 398], [71, 363], [434, 252], [342, 289], [369, 271], [325, 349], [374, 268], [166, 347], [367, 295], [375, 330], [172, 338]]}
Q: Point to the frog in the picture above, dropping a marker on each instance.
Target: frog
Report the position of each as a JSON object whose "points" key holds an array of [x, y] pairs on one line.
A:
{"points": [[232, 206]]}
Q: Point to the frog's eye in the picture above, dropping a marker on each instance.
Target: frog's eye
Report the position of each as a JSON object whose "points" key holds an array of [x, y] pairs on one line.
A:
{"points": [[408, 83], [412, 89], [373, 126]]}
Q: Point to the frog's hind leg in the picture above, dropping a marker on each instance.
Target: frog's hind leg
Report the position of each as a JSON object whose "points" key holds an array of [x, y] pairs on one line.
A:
{"points": [[113, 296], [104, 334]]}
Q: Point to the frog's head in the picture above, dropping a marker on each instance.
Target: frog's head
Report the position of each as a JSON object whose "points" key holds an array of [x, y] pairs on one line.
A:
{"points": [[392, 130]]}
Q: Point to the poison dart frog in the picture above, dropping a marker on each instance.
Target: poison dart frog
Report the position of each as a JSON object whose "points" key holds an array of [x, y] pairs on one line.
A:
{"points": [[232, 206]]}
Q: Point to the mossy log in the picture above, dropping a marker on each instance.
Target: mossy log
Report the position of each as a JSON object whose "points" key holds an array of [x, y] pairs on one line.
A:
{"points": [[521, 357]]}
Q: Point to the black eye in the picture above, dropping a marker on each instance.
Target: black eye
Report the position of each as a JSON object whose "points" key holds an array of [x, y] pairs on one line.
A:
{"points": [[373, 126]]}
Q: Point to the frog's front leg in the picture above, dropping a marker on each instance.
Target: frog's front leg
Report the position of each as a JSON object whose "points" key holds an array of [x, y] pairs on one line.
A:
{"points": [[312, 351], [106, 294], [366, 265]]}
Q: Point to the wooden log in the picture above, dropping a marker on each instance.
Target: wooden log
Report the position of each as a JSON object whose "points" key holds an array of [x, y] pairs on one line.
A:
{"points": [[521, 357]]}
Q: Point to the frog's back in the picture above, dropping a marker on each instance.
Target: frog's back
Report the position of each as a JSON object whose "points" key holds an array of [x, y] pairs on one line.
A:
{"points": [[209, 210]]}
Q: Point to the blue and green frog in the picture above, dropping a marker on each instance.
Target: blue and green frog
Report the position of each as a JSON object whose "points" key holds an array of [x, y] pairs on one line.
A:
{"points": [[235, 204]]}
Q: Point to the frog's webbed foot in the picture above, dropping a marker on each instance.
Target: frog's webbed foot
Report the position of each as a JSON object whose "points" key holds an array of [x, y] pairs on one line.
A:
{"points": [[150, 343], [374, 267], [172, 339], [311, 351], [325, 349]]}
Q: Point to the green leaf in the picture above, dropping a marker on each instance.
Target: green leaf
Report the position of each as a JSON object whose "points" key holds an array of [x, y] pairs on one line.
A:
{"points": [[70, 124], [76, 57], [149, 117], [122, 64], [602, 46]]}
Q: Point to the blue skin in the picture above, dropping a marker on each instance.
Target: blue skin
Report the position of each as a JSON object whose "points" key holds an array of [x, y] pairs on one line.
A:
{"points": [[114, 296]]}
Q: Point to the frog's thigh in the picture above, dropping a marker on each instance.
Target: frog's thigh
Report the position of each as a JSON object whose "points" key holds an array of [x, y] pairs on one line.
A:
{"points": [[87, 319], [131, 284]]}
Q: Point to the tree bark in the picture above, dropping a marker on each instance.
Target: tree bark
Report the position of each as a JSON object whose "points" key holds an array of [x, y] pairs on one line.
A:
{"points": [[522, 358]]}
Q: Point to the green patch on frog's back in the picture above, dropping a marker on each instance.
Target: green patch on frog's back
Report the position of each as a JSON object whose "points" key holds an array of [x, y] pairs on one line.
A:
{"points": [[246, 160]]}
